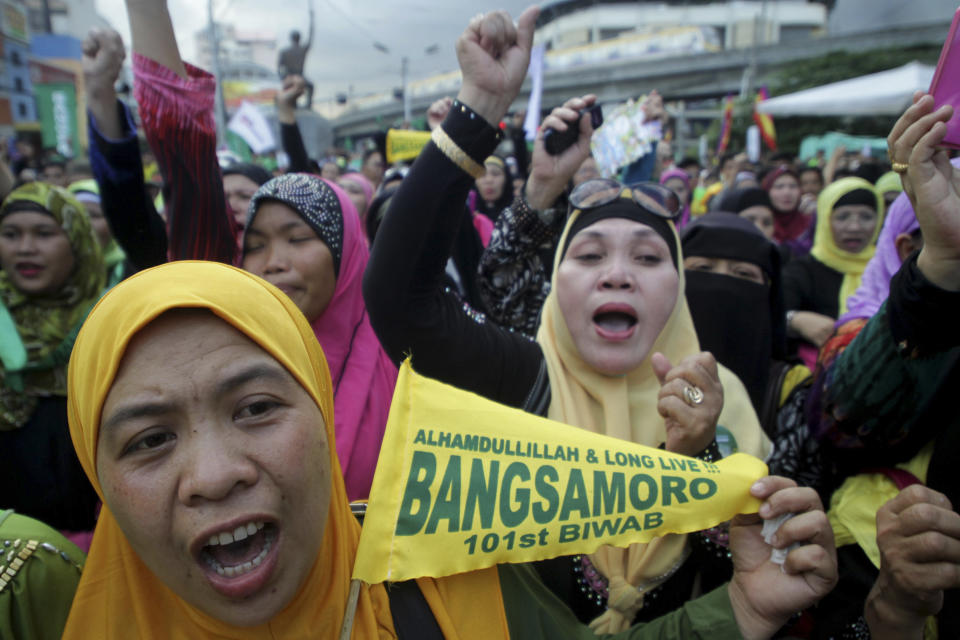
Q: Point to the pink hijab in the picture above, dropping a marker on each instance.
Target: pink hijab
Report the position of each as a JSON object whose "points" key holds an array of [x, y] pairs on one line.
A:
{"points": [[362, 374]]}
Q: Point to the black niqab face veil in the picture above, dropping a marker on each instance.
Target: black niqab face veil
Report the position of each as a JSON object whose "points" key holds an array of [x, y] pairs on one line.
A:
{"points": [[740, 322]]}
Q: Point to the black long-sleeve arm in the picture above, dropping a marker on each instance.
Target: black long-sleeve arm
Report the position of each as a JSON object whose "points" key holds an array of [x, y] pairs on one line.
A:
{"points": [[292, 142], [118, 170], [410, 311]]}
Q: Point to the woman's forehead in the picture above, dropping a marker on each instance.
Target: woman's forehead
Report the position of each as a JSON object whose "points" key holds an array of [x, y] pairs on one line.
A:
{"points": [[179, 344], [239, 181], [742, 260], [28, 219], [177, 327], [616, 228], [854, 208]]}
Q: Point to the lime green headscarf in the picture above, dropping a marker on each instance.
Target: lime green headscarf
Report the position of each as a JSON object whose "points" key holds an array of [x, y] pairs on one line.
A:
{"points": [[851, 265], [37, 332], [113, 255]]}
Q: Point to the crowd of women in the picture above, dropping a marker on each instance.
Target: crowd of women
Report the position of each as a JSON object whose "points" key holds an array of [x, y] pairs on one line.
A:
{"points": [[192, 395]]}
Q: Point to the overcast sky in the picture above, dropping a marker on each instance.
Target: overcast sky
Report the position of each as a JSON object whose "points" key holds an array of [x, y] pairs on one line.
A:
{"points": [[343, 52]]}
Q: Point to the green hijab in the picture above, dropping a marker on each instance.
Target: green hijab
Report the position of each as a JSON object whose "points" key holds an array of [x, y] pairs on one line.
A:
{"points": [[37, 332]]}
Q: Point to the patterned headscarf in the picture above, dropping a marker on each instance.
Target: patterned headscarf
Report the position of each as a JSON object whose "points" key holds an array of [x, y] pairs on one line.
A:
{"points": [[356, 359], [37, 332], [314, 200]]}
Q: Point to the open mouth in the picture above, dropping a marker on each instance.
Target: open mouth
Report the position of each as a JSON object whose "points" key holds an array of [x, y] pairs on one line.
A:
{"points": [[28, 269], [615, 321], [239, 561], [240, 551]]}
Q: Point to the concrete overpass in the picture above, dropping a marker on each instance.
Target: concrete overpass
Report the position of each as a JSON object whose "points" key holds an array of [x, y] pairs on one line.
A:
{"points": [[690, 77]]}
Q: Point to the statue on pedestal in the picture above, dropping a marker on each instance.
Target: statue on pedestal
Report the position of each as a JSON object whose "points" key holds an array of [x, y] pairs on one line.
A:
{"points": [[292, 59]]}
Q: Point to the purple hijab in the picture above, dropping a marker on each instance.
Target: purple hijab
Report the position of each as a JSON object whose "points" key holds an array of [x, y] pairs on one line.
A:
{"points": [[875, 284]]}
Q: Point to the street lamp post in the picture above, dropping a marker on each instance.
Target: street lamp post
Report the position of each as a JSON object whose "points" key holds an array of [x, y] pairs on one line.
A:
{"points": [[219, 112], [404, 68], [405, 74]]}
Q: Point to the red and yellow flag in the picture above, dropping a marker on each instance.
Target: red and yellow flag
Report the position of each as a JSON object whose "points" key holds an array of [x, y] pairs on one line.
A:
{"points": [[727, 125], [764, 121]]}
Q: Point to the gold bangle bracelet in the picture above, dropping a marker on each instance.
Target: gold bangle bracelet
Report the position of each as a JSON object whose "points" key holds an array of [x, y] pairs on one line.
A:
{"points": [[456, 155]]}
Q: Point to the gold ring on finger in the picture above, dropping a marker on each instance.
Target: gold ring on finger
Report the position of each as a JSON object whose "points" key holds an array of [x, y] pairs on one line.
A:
{"points": [[899, 167], [692, 395]]}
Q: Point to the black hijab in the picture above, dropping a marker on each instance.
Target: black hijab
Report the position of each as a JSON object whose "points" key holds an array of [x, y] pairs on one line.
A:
{"points": [[249, 170], [740, 200], [741, 323]]}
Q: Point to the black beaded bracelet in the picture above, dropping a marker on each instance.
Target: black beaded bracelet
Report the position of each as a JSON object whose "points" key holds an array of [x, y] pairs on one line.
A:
{"points": [[473, 115], [857, 630], [711, 453]]}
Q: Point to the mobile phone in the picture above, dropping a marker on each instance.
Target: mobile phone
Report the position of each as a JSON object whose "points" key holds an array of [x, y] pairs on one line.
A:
{"points": [[945, 87], [556, 142]]}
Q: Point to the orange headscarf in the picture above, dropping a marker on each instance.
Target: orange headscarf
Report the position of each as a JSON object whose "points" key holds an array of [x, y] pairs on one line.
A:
{"points": [[118, 596]]}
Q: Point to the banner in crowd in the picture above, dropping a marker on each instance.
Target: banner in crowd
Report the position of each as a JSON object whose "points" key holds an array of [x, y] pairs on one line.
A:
{"points": [[464, 483], [765, 121], [624, 137], [57, 108], [403, 144], [15, 22], [250, 124], [532, 122], [753, 143]]}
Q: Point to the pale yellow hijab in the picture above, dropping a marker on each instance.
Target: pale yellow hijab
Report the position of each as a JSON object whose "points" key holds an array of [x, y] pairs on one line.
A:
{"points": [[625, 407], [825, 249]]}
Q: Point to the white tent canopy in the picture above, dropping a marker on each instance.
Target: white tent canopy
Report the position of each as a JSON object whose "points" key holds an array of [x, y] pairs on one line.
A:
{"points": [[887, 93]]}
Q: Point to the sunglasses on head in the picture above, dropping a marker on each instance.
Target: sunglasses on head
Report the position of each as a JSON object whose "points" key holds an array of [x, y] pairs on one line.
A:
{"points": [[649, 196]]}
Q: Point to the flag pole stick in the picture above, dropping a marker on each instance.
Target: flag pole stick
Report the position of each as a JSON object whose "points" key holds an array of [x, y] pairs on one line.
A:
{"points": [[351, 611]]}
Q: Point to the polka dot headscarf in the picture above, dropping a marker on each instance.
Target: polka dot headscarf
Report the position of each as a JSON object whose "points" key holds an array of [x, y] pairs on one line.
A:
{"points": [[314, 200]]}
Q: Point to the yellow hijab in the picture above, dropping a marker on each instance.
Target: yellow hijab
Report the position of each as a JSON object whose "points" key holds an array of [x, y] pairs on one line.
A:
{"points": [[851, 265], [118, 596], [890, 181], [625, 407]]}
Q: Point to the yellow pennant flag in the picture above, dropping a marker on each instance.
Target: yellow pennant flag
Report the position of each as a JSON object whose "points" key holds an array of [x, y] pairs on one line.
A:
{"points": [[405, 145], [464, 483]]}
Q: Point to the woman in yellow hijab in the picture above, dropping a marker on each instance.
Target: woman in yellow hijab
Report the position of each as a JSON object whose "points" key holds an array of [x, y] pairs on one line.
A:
{"points": [[195, 393], [616, 351], [196, 397], [816, 286]]}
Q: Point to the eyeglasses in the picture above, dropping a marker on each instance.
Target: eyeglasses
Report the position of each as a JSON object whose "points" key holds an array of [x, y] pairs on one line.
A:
{"points": [[650, 196]]}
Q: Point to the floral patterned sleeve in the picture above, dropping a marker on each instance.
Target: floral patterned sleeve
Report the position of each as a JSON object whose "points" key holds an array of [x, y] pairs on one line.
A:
{"points": [[514, 277]]}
